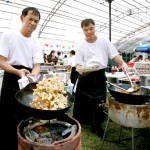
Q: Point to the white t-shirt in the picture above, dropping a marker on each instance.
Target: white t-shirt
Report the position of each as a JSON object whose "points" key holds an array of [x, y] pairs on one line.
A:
{"points": [[65, 61], [71, 61], [20, 50], [97, 53]]}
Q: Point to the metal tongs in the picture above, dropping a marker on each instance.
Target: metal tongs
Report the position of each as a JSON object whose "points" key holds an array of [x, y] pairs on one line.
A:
{"points": [[115, 85], [133, 87], [130, 90]]}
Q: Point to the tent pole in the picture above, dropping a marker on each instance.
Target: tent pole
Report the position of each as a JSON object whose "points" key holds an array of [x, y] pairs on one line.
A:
{"points": [[109, 1]]}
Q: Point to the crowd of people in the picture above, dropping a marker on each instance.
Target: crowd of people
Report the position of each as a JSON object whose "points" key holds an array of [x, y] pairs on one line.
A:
{"points": [[139, 58], [136, 58], [55, 58]]}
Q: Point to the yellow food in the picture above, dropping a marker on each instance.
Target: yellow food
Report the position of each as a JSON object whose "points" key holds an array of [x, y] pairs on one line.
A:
{"points": [[133, 93], [50, 95]]}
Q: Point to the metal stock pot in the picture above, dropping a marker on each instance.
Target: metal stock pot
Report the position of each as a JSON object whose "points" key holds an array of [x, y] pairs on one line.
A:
{"points": [[145, 80], [135, 116]]}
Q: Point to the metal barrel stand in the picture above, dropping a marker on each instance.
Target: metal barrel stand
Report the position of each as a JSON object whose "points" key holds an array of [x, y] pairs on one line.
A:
{"points": [[127, 115], [103, 139]]}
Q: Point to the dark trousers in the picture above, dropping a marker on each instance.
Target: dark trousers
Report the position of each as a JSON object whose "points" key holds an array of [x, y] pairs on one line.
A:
{"points": [[10, 112], [90, 93], [74, 75]]}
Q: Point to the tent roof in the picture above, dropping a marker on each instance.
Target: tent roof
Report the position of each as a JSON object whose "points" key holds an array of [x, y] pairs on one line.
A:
{"points": [[60, 19]]}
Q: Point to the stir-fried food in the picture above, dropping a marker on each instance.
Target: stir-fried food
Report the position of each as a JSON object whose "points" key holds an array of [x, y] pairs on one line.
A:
{"points": [[50, 95], [137, 92]]}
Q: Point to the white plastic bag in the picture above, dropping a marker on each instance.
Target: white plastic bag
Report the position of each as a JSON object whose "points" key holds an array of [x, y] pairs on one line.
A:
{"points": [[23, 82]]}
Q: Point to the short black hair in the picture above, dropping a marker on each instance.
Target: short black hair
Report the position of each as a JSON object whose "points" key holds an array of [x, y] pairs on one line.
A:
{"points": [[58, 53], [86, 22], [72, 52], [140, 56], [27, 9], [52, 51]]}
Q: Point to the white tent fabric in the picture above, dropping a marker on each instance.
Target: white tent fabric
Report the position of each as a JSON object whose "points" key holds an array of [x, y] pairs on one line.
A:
{"points": [[60, 19]]}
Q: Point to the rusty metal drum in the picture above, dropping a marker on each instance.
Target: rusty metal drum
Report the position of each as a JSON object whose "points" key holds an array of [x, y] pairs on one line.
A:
{"points": [[135, 116], [68, 143]]}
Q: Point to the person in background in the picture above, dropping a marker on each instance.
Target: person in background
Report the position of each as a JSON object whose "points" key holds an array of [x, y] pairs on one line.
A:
{"points": [[133, 59], [148, 58], [139, 58], [19, 56], [60, 60], [132, 62], [59, 55], [65, 60], [52, 58], [72, 67], [90, 91]]}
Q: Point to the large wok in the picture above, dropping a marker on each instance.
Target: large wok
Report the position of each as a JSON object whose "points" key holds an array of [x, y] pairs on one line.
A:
{"points": [[25, 96], [127, 98]]}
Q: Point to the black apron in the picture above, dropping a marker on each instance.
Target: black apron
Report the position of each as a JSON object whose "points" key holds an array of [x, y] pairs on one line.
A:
{"points": [[90, 92], [10, 112], [73, 75]]}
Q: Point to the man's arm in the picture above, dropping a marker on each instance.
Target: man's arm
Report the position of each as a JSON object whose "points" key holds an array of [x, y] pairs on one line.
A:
{"points": [[8, 68], [118, 59], [36, 69]]}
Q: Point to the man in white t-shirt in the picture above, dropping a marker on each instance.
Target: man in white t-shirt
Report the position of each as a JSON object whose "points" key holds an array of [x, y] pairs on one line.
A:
{"points": [[19, 56], [91, 86]]}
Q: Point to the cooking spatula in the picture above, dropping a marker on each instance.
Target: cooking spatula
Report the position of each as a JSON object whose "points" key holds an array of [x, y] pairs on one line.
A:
{"points": [[133, 87]]}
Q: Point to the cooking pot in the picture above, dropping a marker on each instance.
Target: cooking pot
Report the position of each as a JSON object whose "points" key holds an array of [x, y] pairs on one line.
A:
{"points": [[145, 80], [128, 98], [25, 97], [135, 116]]}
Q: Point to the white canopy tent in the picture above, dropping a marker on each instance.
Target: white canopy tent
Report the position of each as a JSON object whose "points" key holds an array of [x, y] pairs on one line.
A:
{"points": [[60, 19]]}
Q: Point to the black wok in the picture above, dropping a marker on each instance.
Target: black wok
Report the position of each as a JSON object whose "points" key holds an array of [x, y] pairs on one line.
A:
{"points": [[127, 98], [25, 96]]}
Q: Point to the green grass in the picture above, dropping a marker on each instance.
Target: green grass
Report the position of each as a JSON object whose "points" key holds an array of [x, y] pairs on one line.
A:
{"points": [[91, 141]]}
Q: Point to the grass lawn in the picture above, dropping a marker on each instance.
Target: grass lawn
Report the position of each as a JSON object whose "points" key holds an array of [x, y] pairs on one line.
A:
{"points": [[91, 141]]}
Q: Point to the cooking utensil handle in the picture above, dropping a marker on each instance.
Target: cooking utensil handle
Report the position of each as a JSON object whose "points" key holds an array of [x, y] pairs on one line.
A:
{"points": [[129, 79], [115, 85]]}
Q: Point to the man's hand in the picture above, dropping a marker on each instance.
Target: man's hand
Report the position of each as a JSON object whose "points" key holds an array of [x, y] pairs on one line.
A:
{"points": [[23, 72], [125, 67]]}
